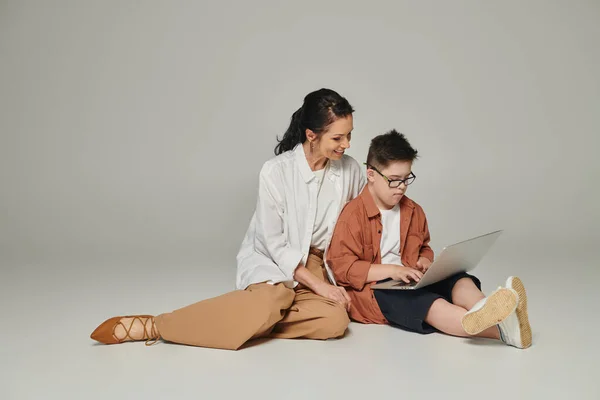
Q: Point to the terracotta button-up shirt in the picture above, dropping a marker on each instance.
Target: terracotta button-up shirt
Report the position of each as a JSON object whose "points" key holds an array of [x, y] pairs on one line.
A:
{"points": [[355, 246]]}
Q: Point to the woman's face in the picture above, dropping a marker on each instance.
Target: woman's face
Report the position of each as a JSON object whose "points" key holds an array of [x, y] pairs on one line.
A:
{"points": [[336, 139]]}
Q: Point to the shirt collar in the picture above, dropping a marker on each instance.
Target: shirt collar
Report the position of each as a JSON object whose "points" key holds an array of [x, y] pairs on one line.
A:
{"points": [[305, 171], [371, 207]]}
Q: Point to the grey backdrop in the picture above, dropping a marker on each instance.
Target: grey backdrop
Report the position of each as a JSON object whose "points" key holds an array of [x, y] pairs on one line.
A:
{"points": [[133, 133]]}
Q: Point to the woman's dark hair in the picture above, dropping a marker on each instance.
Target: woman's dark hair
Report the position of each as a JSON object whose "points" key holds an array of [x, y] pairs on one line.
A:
{"points": [[390, 147], [319, 110]]}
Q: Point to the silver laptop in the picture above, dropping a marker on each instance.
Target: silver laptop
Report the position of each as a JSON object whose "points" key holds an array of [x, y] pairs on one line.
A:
{"points": [[459, 257]]}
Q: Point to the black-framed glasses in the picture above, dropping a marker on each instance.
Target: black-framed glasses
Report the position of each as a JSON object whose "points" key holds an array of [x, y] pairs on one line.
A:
{"points": [[395, 183]]}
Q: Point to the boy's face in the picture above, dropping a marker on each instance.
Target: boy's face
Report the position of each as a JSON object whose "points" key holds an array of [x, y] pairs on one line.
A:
{"points": [[384, 196]]}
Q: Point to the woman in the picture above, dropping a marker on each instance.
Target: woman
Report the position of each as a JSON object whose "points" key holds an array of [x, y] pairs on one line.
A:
{"points": [[282, 280]]}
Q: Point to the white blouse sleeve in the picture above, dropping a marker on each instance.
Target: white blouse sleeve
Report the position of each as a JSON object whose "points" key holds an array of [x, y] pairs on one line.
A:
{"points": [[361, 179], [270, 213]]}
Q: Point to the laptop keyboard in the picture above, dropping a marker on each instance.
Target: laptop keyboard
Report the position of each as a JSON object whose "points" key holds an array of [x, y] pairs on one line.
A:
{"points": [[413, 283]]}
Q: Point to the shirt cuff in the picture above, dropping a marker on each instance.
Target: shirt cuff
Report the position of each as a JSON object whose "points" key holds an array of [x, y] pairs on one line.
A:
{"points": [[358, 274], [428, 254], [289, 262]]}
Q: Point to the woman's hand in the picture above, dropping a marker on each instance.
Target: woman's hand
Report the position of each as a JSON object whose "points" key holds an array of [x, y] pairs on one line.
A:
{"points": [[324, 289], [335, 293]]}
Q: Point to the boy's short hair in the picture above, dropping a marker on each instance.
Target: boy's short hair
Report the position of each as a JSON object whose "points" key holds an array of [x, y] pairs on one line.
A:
{"points": [[389, 147]]}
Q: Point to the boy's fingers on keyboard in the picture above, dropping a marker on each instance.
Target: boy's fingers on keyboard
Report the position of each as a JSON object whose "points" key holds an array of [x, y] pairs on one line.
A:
{"points": [[416, 275]]}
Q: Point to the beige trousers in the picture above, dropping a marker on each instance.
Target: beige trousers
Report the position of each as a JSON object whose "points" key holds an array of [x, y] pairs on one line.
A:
{"points": [[262, 310]]}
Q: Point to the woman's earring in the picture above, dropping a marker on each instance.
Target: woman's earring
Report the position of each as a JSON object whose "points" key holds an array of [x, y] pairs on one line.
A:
{"points": [[312, 145]]}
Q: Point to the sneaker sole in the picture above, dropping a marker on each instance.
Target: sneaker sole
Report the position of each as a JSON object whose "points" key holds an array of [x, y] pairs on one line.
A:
{"points": [[498, 306], [517, 285]]}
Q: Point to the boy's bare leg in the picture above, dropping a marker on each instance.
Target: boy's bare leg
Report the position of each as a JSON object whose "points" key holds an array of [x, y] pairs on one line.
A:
{"points": [[447, 317], [465, 294]]}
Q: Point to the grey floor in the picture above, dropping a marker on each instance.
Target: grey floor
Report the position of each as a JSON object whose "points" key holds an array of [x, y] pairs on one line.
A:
{"points": [[49, 312]]}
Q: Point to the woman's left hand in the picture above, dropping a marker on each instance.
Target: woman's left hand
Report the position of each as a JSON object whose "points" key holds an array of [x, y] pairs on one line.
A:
{"points": [[335, 293]]}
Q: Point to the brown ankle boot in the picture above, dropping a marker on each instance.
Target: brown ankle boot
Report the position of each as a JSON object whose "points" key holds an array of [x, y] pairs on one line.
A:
{"points": [[105, 332]]}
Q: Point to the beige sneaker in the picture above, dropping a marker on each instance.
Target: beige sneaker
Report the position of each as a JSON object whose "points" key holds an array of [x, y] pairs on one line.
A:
{"points": [[490, 311], [515, 330]]}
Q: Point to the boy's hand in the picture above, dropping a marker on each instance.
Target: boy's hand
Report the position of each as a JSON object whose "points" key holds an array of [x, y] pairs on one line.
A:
{"points": [[423, 264], [406, 274]]}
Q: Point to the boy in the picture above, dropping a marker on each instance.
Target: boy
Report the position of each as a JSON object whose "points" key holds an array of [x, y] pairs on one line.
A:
{"points": [[383, 234]]}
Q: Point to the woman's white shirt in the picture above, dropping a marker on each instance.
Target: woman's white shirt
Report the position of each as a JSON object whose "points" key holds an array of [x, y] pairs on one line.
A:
{"points": [[281, 229]]}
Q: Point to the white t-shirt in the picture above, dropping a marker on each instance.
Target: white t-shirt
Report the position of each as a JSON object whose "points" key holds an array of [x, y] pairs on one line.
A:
{"points": [[390, 238], [326, 209]]}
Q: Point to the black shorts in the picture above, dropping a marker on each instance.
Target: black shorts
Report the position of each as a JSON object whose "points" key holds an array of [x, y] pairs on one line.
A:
{"points": [[407, 309]]}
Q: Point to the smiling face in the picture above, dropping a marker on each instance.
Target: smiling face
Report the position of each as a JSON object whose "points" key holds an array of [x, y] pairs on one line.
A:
{"points": [[386, 197], [335, 140]]}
